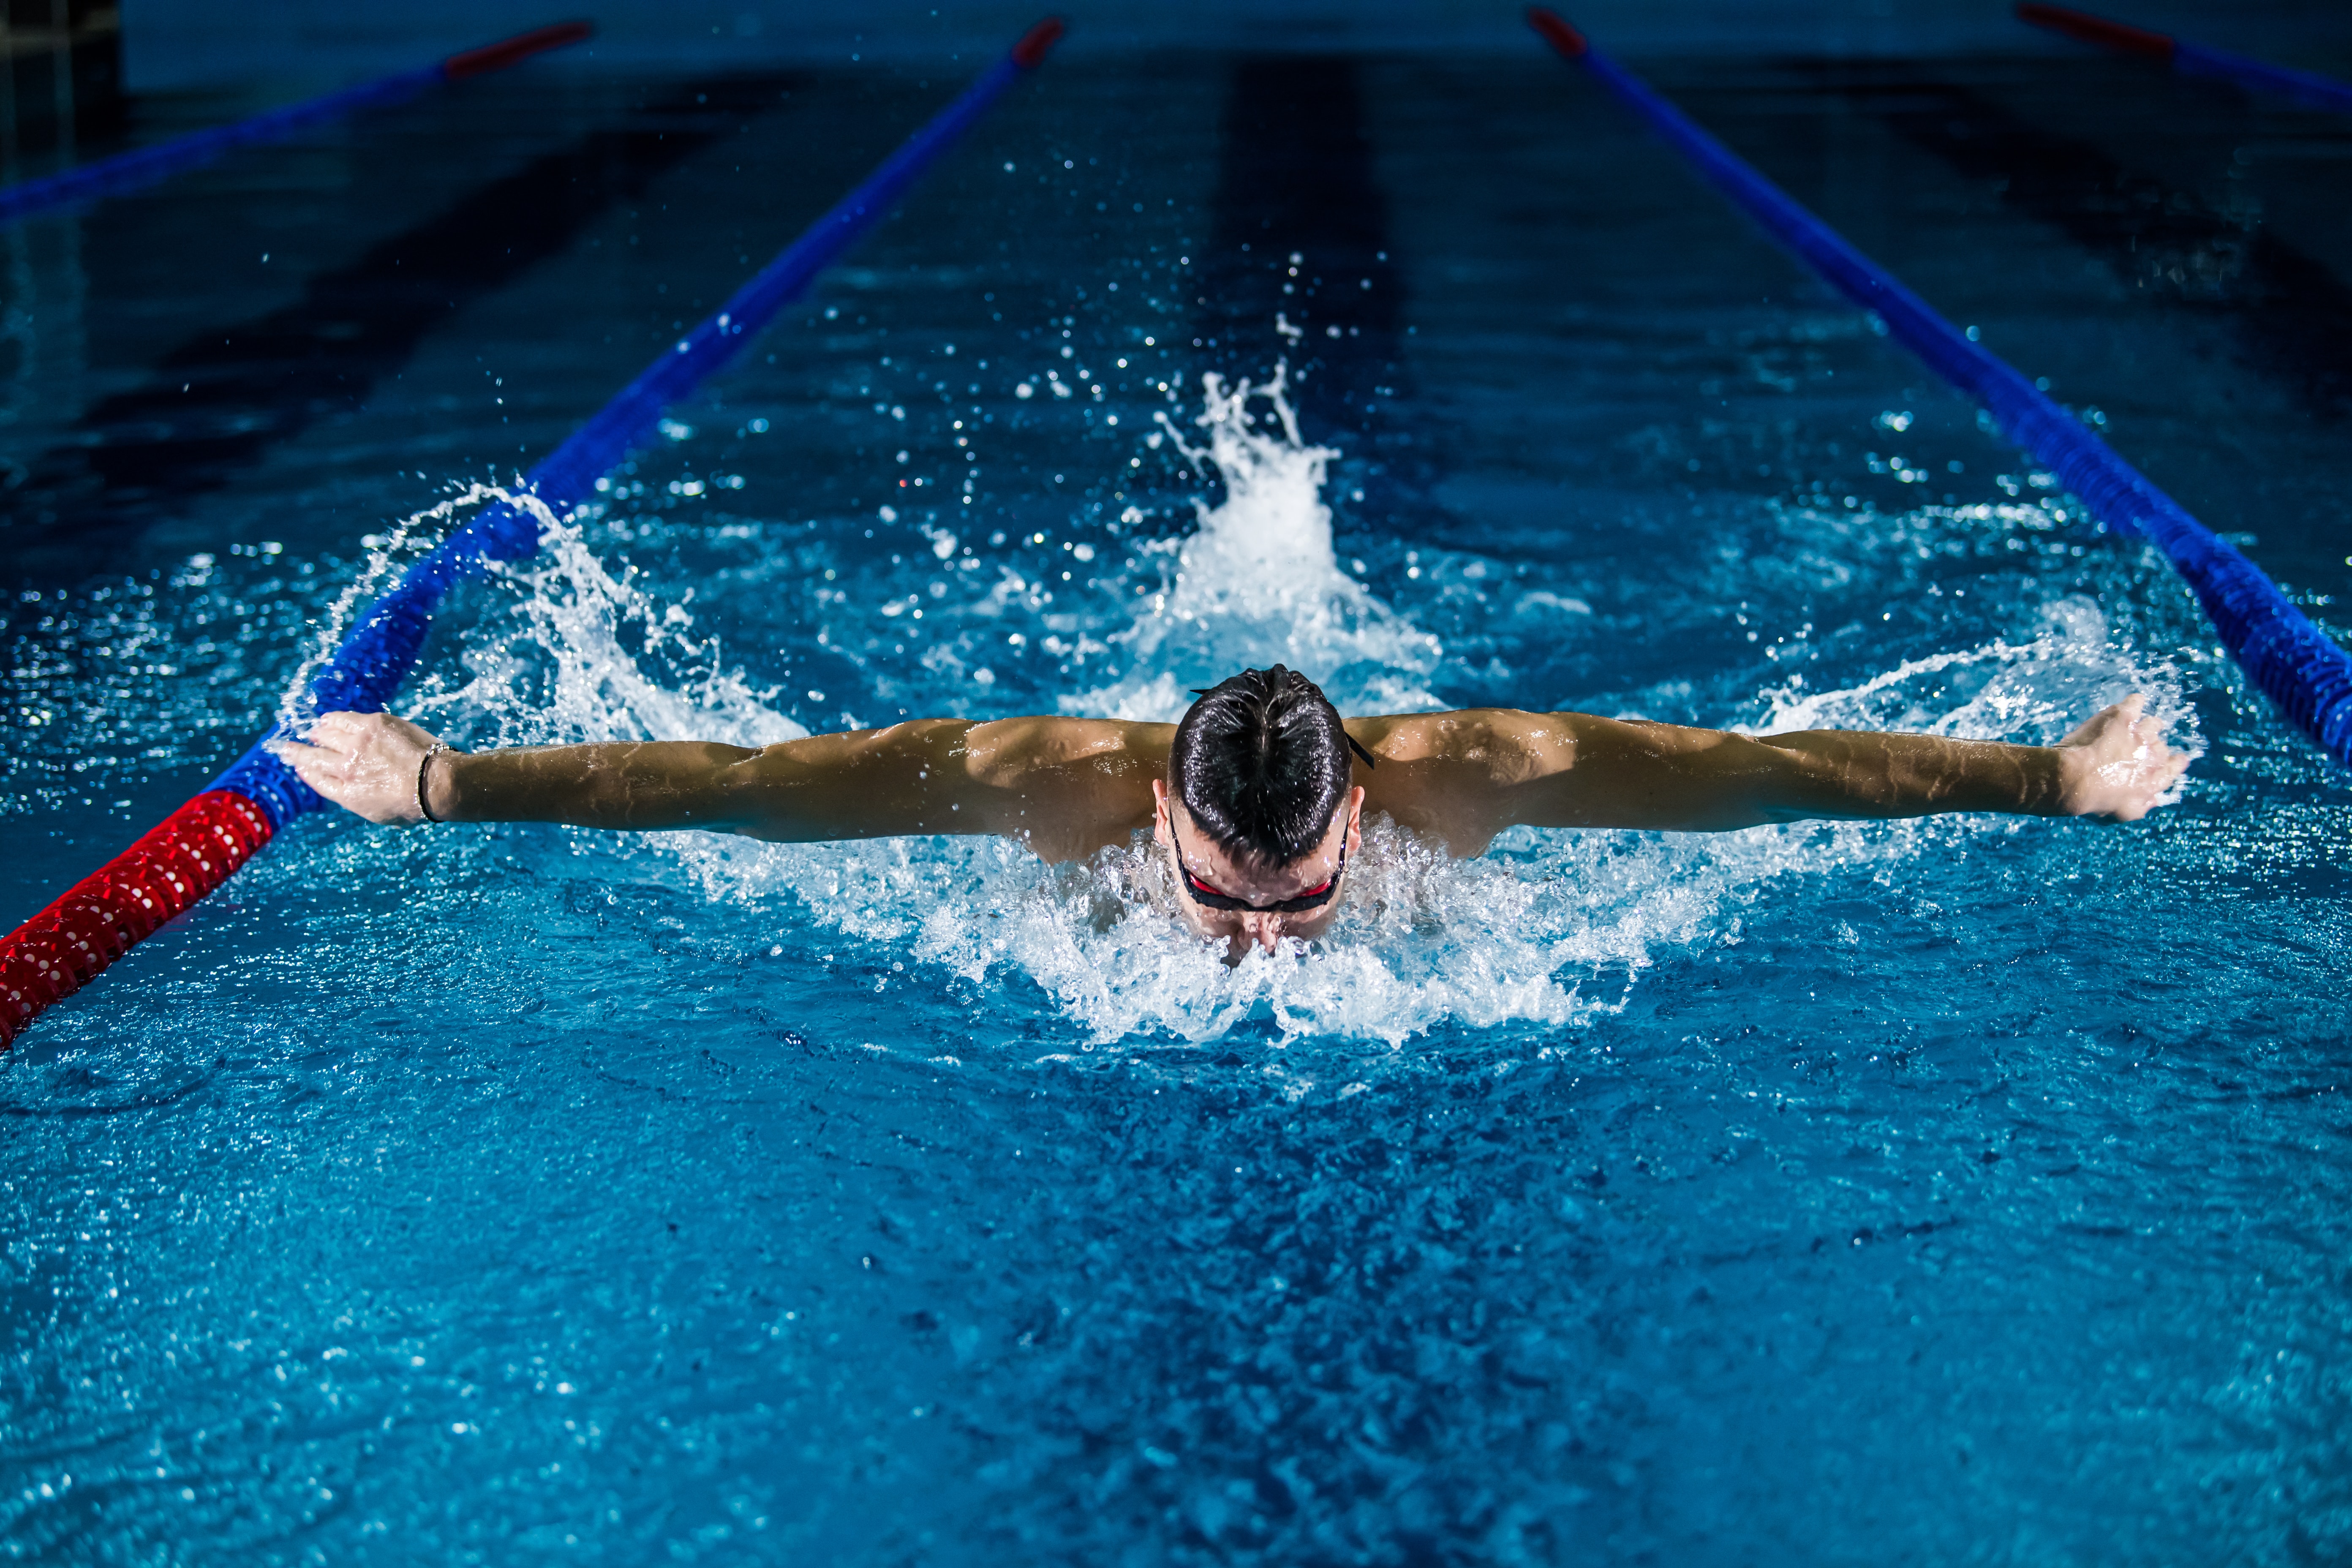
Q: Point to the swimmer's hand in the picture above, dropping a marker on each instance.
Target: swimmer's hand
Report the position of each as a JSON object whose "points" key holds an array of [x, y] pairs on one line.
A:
{"points": [[367, 762], [2117, 764]]}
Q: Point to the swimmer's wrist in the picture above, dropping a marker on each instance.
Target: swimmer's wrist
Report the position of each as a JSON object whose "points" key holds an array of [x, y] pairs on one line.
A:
{"points": [[2071, 774], [439, 786]]}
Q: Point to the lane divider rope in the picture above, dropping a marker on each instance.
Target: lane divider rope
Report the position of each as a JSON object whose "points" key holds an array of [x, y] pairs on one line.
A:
{"points": [[200, 846], [2284, 655], [2190, 58], [144, 167]]}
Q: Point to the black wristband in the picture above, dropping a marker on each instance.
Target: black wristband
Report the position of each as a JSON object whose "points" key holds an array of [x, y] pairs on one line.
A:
{"points": [[423, 810]]}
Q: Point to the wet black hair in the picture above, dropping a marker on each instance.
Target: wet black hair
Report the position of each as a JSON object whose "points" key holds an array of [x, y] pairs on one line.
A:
{"points": [[1261, 762]]}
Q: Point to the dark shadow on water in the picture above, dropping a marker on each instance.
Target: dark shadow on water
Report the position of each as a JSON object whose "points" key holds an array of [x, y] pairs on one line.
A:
{"points": [[2175, 248], [1295, 178], [220, 401]]}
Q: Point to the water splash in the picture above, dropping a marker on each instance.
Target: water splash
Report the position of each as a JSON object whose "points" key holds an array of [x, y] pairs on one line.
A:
{"points": [[389, 555], [1551, 929], [1257, 583], [2033, 691], [581, 652]]}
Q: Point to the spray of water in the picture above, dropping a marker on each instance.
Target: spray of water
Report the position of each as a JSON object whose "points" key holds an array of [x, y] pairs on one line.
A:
{"points": [[574, 651], [2034, 691], [387, 558], [585, 653], [1257, 581], [1549, 929]]}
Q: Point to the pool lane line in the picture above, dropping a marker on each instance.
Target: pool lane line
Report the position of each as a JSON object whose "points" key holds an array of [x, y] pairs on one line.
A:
{"points": [[2192, 58], [2298, 665], [202, 844], [144, 167]]}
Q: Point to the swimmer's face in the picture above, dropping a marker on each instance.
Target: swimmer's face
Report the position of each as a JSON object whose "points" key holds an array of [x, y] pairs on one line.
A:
{"points": [[1201, 858]]}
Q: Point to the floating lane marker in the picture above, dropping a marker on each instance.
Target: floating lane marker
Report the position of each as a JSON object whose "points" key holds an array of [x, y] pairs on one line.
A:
{"points": [[2298, 665], [129, 170], [2192, 58], [200, 846]]}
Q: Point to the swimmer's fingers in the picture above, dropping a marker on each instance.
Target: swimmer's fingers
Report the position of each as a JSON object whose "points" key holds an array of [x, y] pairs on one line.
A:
{"points": [[2123, 715], [365, 762], [358, 731], [2158, 780], [342, 777], [339, 731], [323, 769], [2118, 764]]}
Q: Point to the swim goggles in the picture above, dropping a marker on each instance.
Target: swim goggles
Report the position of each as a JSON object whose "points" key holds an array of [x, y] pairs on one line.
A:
{"points": [[1208, 897]]}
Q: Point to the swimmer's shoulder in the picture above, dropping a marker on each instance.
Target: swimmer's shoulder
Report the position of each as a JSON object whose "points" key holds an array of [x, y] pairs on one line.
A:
{"points": [[1066, 787], [1001, 751], [1453, 776], [1502, 746]]}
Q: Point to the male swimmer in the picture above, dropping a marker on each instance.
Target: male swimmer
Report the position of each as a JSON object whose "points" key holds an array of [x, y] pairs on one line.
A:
{"points": [[1256, 795]]}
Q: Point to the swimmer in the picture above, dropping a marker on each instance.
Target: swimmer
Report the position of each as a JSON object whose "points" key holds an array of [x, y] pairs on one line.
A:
{"points": [[1257, 797]]}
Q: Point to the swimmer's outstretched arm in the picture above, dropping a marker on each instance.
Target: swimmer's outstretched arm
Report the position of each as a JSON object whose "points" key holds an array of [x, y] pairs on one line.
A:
{"points": [[1466, 776], [1066, 787]]}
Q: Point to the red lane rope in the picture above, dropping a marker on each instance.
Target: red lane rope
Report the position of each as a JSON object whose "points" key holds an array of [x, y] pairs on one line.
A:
{"points": [[1030, 52], [1556, 32], [2092, 29], [178, 861], [521, 46]]}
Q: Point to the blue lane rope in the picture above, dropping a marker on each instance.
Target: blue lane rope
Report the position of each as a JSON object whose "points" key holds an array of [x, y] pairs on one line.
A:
{"points": [[144, 167], [365, 670], [2298, 665], [2305, 87], [2192, 58]]}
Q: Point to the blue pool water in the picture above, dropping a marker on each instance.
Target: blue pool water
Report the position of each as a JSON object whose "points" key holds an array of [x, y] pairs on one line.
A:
{"points": [[1962, 1191]]}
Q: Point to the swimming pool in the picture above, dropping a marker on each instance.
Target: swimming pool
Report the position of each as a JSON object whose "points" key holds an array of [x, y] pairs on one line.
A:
{"points": [[1968, 1189]]}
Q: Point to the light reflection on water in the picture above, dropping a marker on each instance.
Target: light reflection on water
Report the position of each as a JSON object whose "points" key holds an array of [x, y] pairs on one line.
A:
{"points": [[1962, 1190], [1548, 931]]}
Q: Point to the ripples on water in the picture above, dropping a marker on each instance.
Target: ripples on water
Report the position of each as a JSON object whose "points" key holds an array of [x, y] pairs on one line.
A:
{"points": [[1959, 1190], [1549, 929]]}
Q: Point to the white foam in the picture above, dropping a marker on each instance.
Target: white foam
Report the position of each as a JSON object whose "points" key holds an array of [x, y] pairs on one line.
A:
{"points": [[1257, 581], [1552, 932], [565, 661], [1552, 929], [2033, 691]]}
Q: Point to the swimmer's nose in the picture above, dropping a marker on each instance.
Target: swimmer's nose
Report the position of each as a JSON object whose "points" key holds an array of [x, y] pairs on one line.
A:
{"points": [[1264, 930]]}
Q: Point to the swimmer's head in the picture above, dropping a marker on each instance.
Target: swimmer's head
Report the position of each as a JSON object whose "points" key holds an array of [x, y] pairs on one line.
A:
{"points": [[1261, 764]]}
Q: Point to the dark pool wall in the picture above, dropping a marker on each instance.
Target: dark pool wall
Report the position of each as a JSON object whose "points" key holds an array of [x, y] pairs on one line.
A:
{"points": [[184, 43]]}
